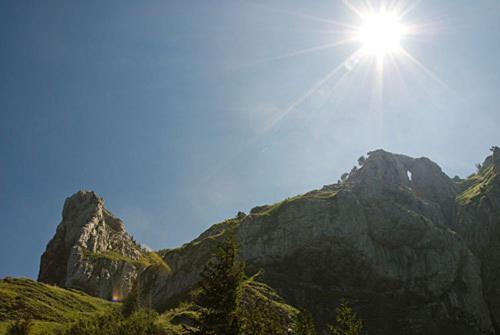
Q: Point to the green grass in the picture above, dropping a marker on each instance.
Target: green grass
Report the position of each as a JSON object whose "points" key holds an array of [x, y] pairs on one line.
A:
{"points": [[254, 294], [153, 259], [270, 209], [146, 260], [52, 308], [39, 327], [172, 320], [263, 292], [46, 304], [478, 184]]}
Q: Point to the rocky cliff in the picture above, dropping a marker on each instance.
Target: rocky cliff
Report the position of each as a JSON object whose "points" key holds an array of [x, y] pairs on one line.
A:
{"points": [[91, 250], [414, 251], [478, 222]]}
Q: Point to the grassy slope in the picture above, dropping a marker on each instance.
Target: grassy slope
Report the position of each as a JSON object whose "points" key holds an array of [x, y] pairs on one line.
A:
{"points": [[49, 306], [255, 294], [478, 184], [148, 259]]}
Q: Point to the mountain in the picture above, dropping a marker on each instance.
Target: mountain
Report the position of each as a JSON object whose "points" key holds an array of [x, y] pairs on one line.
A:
{"points": [[411, 249], [92, 252]]}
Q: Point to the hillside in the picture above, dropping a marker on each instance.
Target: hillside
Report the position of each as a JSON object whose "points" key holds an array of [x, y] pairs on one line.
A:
{"points": [[49, 306], [52, 308]]}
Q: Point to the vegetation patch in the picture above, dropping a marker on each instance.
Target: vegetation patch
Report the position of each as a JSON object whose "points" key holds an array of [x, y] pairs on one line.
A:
{"points": [[153, 259], [146, 260], [269, 209], [478, 185], [22, 297]]}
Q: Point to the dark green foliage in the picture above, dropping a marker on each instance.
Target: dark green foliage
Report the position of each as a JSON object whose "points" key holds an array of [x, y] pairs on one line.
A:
{"points": [[347, 321], [305, 323], [142, 322], [220, 291], [259, 319], [20, 327], [130, 303]]}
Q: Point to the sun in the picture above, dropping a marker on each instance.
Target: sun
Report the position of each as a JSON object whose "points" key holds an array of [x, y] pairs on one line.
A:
{"points": [[380, 33]]}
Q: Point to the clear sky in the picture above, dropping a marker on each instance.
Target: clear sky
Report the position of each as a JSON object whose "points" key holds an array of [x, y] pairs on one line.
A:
{"points": [[181, 113]]}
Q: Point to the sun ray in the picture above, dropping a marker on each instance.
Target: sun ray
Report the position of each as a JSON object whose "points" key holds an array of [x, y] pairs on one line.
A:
{"points": [[308, 16], [319, 48], [309, 50], [422, 67], [353, 8], [410, 6], [399, 73], [342, 66], [343, 31]]}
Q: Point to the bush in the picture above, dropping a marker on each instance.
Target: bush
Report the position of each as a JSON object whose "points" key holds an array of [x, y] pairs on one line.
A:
{"points": [[348, 321], [142, 322], [20, 327], [305, 323]]}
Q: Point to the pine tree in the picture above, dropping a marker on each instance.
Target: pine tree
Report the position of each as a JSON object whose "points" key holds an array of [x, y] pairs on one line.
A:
{"points": [[220, 291], [348, 321], [305, 323]]}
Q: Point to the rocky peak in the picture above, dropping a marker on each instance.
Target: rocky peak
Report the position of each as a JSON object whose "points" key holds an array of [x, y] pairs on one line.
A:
{"points": [[84, 211], [383, 171], [91, 249], [417, 181], [492, 161], [378, 238], [496, 153]]}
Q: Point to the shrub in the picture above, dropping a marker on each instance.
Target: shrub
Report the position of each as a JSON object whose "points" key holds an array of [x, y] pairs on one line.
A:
{"points": [[142, 322], [348, 322], [20, 327]]}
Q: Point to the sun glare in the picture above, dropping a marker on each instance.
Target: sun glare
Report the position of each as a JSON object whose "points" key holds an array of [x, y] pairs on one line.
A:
{"points": [[380, 33], [380, 29]]}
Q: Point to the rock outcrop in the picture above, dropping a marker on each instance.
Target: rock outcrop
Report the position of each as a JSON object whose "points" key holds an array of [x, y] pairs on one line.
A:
{"points": [[414, 251], [91, 250], [479, 224]]}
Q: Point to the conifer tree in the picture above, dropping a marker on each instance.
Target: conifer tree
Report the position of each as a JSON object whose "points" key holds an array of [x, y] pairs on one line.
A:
{"points": [[348, 321], [305, 323], [220, 291]]}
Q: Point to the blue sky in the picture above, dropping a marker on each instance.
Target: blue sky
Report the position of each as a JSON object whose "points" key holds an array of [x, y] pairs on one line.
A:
{"points": [[170, 109]]}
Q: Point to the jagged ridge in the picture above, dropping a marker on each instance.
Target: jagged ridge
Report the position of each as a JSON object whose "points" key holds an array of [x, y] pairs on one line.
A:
{"points": [[397, 237]]}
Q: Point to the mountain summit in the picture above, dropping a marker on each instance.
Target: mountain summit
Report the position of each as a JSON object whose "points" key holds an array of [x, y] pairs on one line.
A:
{"points": [[91, 250], [413, 250]]}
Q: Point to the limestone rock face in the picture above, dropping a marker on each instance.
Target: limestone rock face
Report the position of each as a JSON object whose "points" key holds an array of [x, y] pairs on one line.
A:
{"points": [[479, 223], [413, 251], [383, 239], [91, 250]]}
